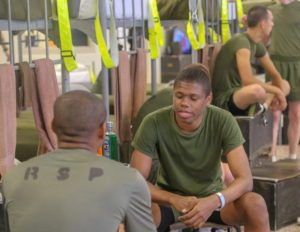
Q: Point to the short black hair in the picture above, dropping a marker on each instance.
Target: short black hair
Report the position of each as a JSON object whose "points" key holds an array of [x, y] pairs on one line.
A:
{"points": [[195, 73], [256, 14], [78, 114]]}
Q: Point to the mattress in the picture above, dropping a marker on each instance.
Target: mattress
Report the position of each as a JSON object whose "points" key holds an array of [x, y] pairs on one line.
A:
{"points": [[19, 9], [85, 9]]}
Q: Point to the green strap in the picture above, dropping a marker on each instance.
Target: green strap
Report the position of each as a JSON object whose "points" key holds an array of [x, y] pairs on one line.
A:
{"points": [[66, 46], [110, 61]]}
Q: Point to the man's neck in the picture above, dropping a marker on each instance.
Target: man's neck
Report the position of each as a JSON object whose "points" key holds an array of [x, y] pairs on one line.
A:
{"points": [[69, 145], [254, 34]]}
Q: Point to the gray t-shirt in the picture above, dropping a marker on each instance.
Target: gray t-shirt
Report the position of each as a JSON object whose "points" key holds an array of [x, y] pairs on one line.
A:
{"points": [[73, 191]]}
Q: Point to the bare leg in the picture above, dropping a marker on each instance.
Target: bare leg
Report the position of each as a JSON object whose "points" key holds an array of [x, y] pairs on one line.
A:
{"points": [[294, 127], [249, 95], [249, 210], [275, 132]]}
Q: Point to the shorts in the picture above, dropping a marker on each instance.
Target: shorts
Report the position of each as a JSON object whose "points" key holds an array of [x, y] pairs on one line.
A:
{"points": [[290, 71], [234, 110], [168, 218]]}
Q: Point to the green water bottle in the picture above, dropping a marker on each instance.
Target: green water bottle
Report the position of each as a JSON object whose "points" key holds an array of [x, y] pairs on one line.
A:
{"points": [[111, 146]]}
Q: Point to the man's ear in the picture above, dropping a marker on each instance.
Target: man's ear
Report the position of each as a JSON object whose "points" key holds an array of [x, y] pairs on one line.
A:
{"points": [[209, 99]]}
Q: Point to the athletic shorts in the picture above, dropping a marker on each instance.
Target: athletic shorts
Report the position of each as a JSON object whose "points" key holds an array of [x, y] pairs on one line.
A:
{"points": [[168, 218], [234, 110], [290, 71]]}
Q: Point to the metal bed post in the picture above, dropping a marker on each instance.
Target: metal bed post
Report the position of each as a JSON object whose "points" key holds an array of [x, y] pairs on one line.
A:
{"points": [[46, 29], [20, 48], [105, 90], [65, 78], [11, 42], [134, 44], [29, 31], [124, 25]]}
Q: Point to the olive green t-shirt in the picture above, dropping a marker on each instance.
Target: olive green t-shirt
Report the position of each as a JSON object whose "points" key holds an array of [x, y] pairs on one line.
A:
{"points": [[74, 190], [286, 31], [189, 163], [226, 78]]}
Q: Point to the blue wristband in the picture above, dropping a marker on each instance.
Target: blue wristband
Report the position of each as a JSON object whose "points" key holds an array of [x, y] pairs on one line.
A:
{"points": [[222, 200]]}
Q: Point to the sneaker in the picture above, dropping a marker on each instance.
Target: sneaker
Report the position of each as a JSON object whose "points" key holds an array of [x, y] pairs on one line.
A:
{"points": [[256, 109], [274, 158], [293, 156]]}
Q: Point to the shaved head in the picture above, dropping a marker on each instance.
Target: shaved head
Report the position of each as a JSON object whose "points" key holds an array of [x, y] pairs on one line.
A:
{"points": [[77, 114]]}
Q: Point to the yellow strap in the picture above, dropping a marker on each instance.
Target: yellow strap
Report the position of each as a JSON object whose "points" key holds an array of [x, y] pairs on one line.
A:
{"points": [[154, 30], [191, 35], [108, 61], [66, 46], [240, 12], [196, 21], [157, 23], [214, 35], [226, 34], [92, 76], [201, 25]]}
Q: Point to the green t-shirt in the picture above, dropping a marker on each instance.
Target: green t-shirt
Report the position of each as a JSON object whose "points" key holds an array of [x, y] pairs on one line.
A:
{"points": [[189, 163], [286, 31], [75, 190], [226, 78]]}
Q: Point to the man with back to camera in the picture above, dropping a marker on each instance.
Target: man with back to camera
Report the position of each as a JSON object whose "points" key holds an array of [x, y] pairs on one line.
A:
{"points": [[285, 53], [235, 88], [189, 138], [72, 189]]}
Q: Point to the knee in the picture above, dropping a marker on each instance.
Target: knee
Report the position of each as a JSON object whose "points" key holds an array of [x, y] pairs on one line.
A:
{"points": [[255, 208], [294, 115], [286, 88], [258, 93]]}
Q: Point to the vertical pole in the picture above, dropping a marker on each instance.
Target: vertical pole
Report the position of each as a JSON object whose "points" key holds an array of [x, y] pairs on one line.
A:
{"points": [[105, 81]]}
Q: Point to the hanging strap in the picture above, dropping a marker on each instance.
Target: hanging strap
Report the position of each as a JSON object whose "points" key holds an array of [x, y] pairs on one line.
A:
{"points": [[92, 75], [214, 35], [195, 25], [66, 45], [240, 12], [155, 31], [226, 34], [109, 60]]}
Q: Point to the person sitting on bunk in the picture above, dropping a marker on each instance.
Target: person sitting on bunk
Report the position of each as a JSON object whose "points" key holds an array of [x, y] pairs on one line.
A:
{"points": [[189, 138], [72, 189], [235, 87]]}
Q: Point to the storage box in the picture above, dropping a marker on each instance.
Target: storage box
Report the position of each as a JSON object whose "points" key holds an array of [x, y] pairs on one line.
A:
{"points": [[279, 183], [167, 77], [257, 132], [174, 64]]}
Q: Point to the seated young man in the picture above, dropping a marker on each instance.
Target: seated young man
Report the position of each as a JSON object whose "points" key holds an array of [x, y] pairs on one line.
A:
{"points": [[72, 189], [189, 138], [235, 88]]}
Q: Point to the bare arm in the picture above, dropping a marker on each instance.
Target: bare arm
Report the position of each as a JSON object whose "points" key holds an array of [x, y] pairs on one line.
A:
{"points": [[277, 80], [245, 72], [242, 183], [143, 163], [279, 89], [239, 166]]}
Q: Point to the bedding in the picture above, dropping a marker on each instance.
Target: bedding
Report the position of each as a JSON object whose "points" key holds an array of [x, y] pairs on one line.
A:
{"points": [[19, 9]]}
